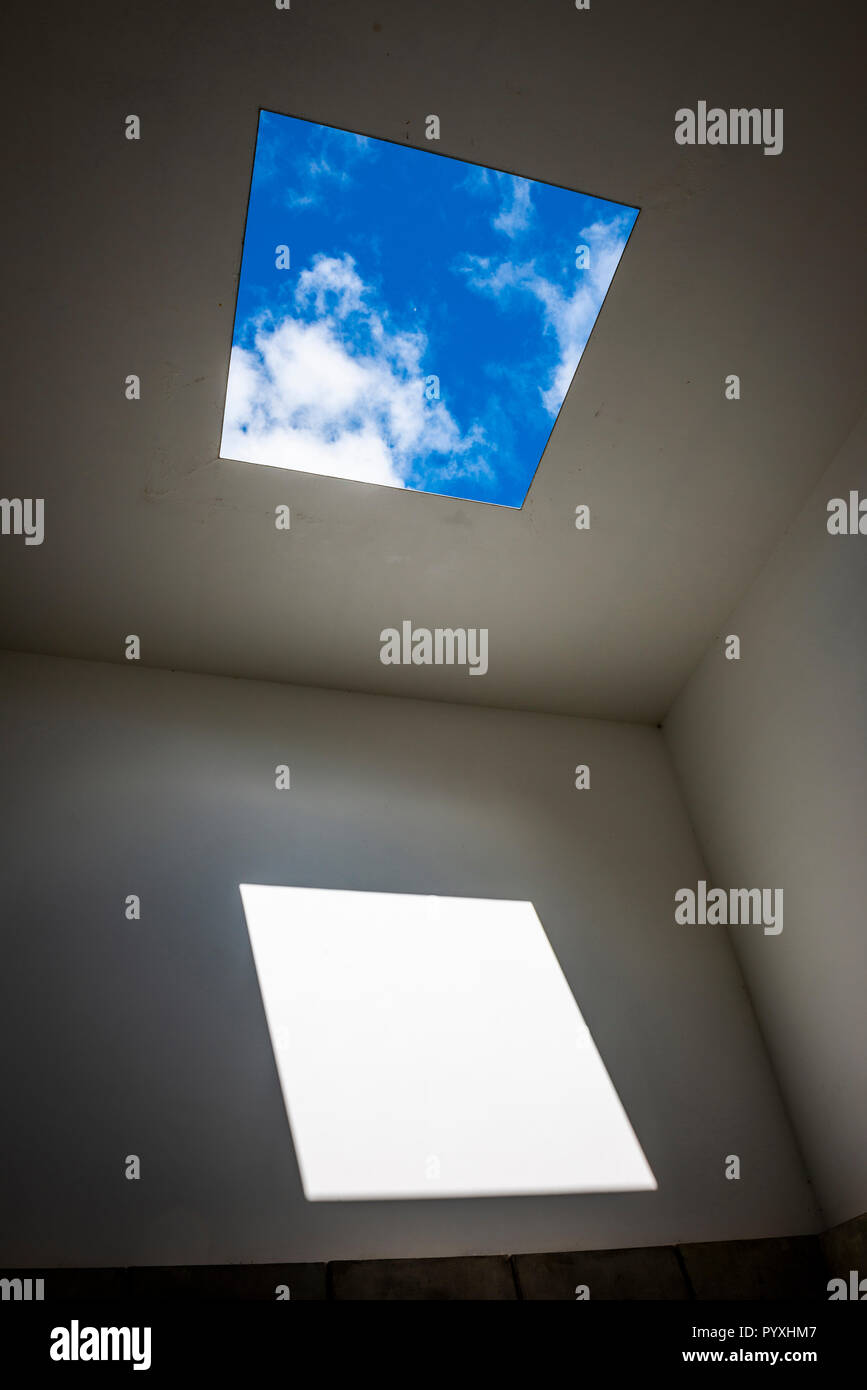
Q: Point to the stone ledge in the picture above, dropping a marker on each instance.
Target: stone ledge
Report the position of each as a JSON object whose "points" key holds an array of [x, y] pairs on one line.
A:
{"points": [[477, 1277]]}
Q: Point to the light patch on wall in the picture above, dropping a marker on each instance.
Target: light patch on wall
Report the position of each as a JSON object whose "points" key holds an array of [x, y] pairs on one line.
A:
{"points": [[431, 1047]]}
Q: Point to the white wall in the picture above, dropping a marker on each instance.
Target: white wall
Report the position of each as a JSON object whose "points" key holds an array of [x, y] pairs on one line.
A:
{"points": [[772, 754], [150, 1038]]}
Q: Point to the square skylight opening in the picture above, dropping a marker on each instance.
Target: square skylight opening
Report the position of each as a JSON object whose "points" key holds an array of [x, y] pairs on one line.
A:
{"points": [[409, 319], [431, 1047]]}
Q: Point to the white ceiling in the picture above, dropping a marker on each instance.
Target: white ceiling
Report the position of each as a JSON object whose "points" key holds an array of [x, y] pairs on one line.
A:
{"points": [[124, 258]]}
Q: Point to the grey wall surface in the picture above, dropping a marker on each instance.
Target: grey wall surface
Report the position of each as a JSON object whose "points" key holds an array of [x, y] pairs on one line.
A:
{"points": [[149, 1037], [772, 754]]}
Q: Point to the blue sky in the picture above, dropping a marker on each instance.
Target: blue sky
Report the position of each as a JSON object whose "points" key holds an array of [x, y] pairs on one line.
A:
{"points": [[405, 265]]}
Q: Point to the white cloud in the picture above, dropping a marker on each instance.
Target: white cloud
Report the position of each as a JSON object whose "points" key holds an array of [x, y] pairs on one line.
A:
{"points": [[313, 178], [315, 173], [478, 179], [342, 394], [569, 314], [330, 276], [515, 216]]}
